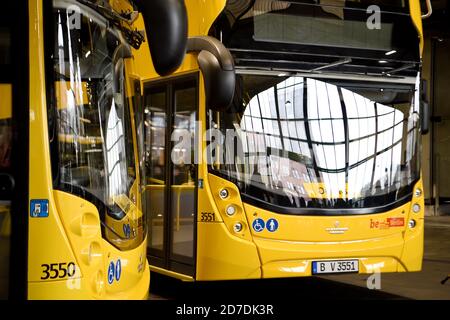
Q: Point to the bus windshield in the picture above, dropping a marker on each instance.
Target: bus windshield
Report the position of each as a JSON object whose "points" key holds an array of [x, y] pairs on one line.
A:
{"points": [[96, 158], [316, 143]]}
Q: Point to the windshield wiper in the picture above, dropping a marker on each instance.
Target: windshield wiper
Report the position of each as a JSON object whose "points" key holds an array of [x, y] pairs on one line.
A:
{"points": [[134, 37]]}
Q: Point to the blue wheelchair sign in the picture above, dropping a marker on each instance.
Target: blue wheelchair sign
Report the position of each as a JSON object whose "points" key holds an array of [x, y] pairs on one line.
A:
{"points": [[39, 208], [111, 272], [258, 225], [127, 230]]}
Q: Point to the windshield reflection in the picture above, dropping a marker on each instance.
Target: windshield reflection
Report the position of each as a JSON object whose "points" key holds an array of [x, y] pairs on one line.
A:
{"points": [[313, 143], [92, 124]]}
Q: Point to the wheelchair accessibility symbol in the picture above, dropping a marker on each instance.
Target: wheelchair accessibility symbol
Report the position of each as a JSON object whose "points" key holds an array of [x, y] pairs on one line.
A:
{"points": [[111, 271], [258, 225], [39, 208]]}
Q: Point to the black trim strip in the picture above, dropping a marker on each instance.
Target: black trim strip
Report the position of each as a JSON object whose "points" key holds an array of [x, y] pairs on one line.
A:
{"points": [[324, 211], [18, 277], [168, 171], [262, 204]]}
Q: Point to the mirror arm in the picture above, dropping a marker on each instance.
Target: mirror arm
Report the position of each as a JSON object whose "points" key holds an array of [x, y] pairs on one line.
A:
{"points": [[217, 66]]}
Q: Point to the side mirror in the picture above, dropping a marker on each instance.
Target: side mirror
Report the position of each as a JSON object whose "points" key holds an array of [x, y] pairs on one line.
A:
{"points": [[217, 66], [167, 29], [425, 115]]}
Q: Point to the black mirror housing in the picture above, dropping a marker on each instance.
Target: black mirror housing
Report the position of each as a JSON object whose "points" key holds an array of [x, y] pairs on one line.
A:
{"points": [[167, 30], [219, 83]]}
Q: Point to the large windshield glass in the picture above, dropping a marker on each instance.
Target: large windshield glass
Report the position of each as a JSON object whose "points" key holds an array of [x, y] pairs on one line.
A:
{"points": [[93, 121], [299, 142]]}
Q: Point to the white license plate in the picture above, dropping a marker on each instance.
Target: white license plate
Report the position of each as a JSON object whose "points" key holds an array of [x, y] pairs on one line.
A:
{"points": [[336, 266]]}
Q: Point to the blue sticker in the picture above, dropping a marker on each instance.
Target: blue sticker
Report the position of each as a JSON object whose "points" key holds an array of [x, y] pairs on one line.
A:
{"points": [[127, 230], [118, 269], [314, 267], [39, 208], [258, 225], [111, 271], [272, 225]]}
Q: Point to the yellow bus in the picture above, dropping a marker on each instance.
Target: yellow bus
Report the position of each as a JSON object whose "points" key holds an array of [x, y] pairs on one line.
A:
{"points": [[288, 142], [71, 224]]}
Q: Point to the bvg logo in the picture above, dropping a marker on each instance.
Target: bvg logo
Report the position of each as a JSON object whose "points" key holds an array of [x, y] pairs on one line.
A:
{"points": [[387, 223], [337, 229]]}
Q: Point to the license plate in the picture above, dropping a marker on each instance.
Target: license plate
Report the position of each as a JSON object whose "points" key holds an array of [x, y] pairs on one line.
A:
{"points": [[335, 266]]}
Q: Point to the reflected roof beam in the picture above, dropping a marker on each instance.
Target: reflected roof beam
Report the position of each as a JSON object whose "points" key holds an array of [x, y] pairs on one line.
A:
{"points": [[333, 64], [405, 67], [336, 76]]}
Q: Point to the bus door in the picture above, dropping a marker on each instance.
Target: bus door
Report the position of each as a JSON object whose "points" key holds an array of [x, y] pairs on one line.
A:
{"points": [[170, 199]]}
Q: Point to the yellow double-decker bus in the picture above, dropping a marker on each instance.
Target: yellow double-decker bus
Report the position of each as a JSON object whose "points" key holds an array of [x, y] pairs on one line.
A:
{"points": [[288, 142], [71, 224]]}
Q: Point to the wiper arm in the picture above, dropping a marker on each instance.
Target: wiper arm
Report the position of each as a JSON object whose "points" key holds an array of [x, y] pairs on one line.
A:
{"points": [[134, 37]]}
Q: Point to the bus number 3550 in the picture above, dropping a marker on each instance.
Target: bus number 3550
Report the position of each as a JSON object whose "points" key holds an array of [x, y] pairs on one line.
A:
{"points": [[58, 270]]}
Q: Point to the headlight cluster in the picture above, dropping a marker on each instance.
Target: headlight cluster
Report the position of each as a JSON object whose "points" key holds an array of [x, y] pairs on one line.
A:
{"points": [[232, 211], [416, 208]]}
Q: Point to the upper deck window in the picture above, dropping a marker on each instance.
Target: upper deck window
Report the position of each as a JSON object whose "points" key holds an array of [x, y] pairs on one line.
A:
{"points": [[305, 35]]}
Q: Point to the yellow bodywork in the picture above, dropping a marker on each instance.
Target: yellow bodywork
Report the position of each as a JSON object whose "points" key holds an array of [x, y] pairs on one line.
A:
{"points": [[6, 101], [71, 234], [65, 91], [382, 242]]}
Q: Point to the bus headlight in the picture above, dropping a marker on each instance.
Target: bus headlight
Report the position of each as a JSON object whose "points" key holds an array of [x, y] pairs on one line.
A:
{"points": [[231, 210], [418, 192], [237, 227], [412, 223], [223, 193], [416, 208]]}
